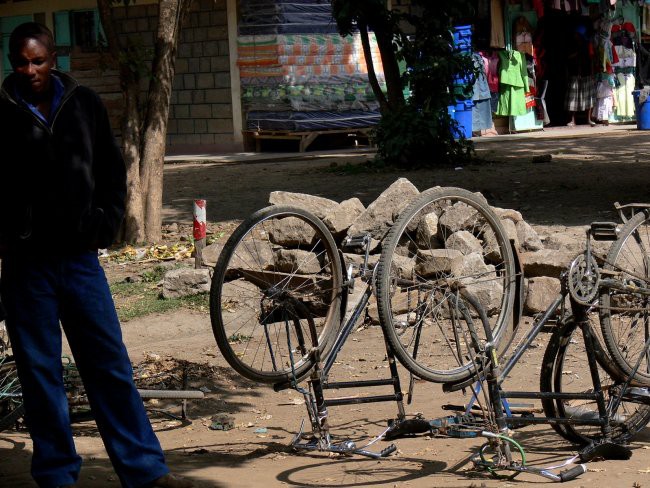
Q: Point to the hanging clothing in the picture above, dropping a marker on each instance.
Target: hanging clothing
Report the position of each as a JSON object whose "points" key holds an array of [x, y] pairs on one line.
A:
{"points": [[566, 5], [481, 111], [623, 94], [513, 83], [497, 29], [625, 70], [645, 24], [523, 36], [493, 72], [604, 107]]}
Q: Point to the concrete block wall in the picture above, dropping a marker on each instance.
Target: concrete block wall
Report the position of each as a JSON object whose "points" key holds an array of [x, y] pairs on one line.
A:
{"points": [[201, 112], [201, 103]]}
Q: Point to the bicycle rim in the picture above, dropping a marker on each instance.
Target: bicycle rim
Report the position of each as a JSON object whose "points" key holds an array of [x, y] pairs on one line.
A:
{"points": [[447, 238], [276, 294], [570, 374], [625, 315], [11, 404]]}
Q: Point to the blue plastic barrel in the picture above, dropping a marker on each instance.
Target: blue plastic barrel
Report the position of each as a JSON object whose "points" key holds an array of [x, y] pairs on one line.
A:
{"points": [[461, 112], [642, 111]]}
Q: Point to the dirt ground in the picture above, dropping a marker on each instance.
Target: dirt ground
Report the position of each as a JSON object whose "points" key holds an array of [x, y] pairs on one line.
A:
{"points": [[579, 185]]}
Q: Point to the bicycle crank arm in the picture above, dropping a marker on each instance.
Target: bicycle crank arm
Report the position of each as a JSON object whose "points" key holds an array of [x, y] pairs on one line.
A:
{"points": [[566, 475]]}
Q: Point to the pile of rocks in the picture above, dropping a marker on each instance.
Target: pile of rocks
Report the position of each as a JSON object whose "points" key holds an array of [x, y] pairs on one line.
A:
{"points": [[543, 258]]}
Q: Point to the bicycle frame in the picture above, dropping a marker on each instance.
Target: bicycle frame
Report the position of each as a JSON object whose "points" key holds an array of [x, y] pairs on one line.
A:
{"points": [[315, 401], [498, 375]]}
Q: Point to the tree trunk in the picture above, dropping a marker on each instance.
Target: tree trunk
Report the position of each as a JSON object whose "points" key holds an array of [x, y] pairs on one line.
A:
{"points": [[129, 83], [170, 17], [134, 218], [394, 89], [372, 74]]}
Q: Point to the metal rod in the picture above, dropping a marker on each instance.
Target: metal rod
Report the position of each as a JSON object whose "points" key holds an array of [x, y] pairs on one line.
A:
{"points": [[332, 402], [345, 331], [554, 420], [595, 377], [549, 395], [355, 384], [530, 337]]}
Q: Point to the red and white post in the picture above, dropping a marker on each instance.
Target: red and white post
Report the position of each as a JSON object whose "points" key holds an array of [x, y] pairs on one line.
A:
{"points": [[200, 230]]}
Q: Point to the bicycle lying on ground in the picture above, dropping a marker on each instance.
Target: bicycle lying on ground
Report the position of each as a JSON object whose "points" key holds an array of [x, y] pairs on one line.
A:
{"points": [[449, 293]]}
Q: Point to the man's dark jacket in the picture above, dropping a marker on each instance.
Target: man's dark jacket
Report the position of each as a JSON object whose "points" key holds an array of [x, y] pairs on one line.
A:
{"points": [[62, 188]]}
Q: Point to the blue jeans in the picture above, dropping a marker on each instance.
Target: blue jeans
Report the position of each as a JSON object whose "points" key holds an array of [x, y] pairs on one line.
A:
{"points": [[37, 293]]}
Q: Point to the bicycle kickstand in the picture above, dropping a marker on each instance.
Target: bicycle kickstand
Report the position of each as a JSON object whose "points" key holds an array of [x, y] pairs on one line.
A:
{"points": [[321, 439]]}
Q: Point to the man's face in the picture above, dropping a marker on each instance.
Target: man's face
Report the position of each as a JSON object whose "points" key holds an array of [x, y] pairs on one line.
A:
{"points": [[33, 63]]}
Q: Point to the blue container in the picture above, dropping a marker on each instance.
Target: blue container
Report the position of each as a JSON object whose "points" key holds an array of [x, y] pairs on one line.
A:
{"points": [[463, 37], [461, 112], [642, 111]]}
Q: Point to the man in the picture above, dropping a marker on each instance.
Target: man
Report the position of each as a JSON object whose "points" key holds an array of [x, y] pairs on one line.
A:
{"points": [[62, 189]]}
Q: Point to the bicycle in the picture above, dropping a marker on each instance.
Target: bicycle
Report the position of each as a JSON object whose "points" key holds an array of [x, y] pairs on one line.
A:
{"points": [[602, 414], [11, 405], [279, 292], [11, 401]]}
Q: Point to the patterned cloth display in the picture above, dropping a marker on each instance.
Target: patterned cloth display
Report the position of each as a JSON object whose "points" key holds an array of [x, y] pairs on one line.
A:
{"points": [[296, 74]]}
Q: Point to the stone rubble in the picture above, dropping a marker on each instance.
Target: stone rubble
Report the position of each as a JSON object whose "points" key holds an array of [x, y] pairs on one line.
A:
{"points": [[542, 257]]}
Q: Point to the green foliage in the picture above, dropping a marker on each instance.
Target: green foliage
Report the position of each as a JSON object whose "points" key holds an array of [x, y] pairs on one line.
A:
{"points": [[419, 132], [153, 275], [413, 138], [373, 13]]}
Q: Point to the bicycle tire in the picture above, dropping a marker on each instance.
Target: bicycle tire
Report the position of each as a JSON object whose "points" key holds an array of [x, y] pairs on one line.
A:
{"points": [[275, 274], [11, 403], [626, 331], [565, 370], [9, 419], [5, 346], [416, 267]]}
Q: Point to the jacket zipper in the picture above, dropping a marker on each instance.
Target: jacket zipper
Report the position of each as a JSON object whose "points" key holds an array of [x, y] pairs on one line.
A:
{"points": [[50, 128]]}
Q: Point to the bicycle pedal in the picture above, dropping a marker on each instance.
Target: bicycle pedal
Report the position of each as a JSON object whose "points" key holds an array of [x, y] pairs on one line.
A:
{"points": [[604, 231], [359, 240], [407, 428], [605, 450]]}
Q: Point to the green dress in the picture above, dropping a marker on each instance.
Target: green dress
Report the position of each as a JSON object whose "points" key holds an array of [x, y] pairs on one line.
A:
{"points": [[513, 83]]}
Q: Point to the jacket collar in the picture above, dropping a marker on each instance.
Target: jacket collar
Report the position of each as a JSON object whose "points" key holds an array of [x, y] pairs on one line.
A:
{"points": [[8, 90]]}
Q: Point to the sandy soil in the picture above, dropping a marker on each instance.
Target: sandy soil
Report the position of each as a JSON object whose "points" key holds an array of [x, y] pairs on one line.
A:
{"points": [[579, 185]]}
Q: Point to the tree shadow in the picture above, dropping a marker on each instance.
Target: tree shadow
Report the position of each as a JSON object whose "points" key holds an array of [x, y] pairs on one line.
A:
{"points": [[579, 185]]}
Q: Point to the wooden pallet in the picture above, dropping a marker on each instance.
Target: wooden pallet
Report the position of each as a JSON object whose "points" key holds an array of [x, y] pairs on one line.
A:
{"points": [[254, 138]]}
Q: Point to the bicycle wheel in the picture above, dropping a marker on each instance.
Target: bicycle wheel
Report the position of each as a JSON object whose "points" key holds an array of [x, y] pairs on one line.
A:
{"points": [[446, 239], [4, 340], [276, 294], [11, 403], [625, 315], [565, 369]]}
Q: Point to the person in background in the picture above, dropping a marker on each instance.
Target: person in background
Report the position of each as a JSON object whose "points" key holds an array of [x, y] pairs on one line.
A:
{"points": [[62, 190], [581, 89]]}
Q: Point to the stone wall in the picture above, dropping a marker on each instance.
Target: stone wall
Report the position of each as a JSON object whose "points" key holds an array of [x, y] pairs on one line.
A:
{"points": [[201, 110]]}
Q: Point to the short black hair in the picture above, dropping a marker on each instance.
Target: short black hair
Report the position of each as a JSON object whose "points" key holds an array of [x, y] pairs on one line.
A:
{"points": [[30, 30]]}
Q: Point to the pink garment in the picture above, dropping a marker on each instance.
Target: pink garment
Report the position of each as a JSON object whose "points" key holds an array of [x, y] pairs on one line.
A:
{"points": [[492, 71]]}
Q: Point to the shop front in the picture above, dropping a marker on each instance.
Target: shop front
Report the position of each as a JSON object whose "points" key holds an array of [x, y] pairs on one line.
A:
{"points": [[561, 62]]}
